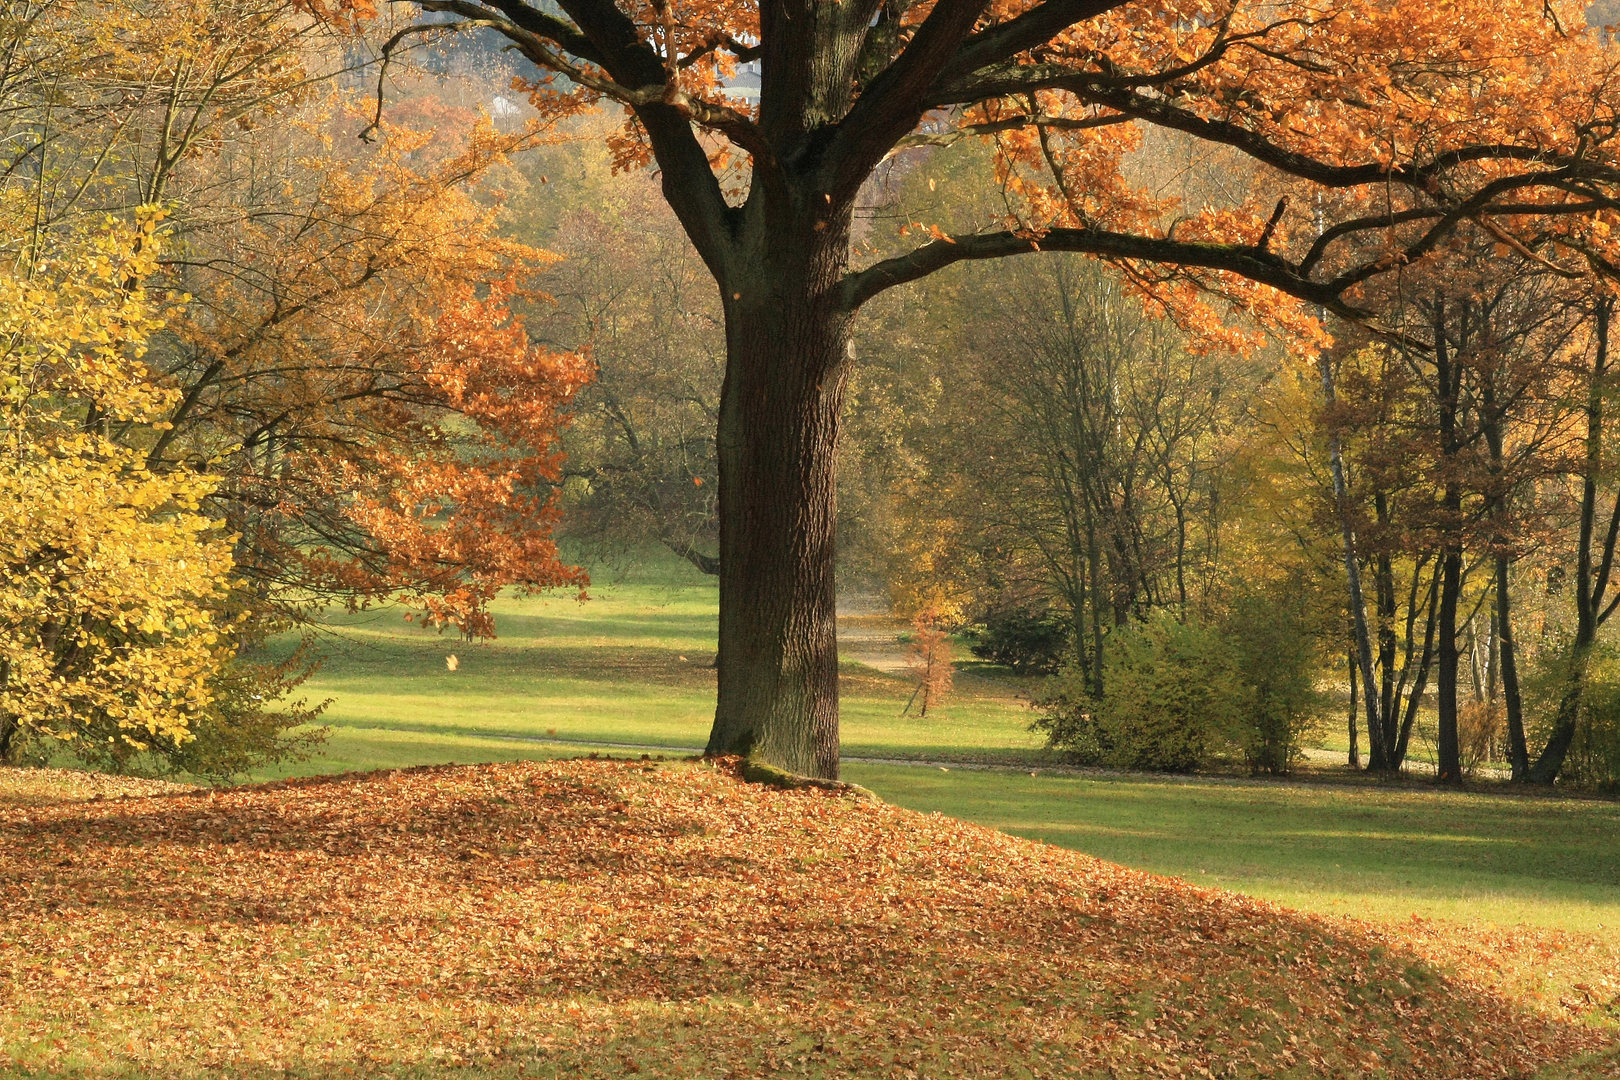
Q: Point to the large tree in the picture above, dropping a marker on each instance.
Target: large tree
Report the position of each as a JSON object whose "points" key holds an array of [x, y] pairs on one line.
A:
{"points": [[1408, 122]]}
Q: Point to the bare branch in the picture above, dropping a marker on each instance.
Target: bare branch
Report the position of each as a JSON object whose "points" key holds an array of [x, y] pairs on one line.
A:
{"points": [[1249, 261]]}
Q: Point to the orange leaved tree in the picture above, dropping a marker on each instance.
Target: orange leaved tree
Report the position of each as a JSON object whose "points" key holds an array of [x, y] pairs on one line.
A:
{"points": [[929, 660], [1382, 130]]}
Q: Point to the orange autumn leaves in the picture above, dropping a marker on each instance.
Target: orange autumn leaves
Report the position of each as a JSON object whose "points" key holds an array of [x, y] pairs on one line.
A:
{"points": [[584, 917], [251, 370], [396, 429]]}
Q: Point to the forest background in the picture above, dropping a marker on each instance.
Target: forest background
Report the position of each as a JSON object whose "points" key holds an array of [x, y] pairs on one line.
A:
{"points": [[259, 368]]}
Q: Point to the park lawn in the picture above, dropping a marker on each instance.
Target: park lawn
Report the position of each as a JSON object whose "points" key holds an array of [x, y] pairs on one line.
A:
{"points": [[1378, 852], [612, 918], [1480, 872], [630, 666]]}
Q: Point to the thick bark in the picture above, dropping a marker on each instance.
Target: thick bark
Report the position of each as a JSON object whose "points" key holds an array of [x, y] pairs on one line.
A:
{"points": [[1447, 378], [1506, 666], [1449, 765], [787, 364], [1389, 702]]}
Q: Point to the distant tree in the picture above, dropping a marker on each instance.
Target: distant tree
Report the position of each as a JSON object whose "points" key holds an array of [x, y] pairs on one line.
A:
{"points": [[630, 294]]}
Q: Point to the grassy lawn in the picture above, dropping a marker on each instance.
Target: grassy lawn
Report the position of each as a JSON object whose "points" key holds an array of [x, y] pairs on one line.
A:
{"points": [[1364, 851], [631, 665]]}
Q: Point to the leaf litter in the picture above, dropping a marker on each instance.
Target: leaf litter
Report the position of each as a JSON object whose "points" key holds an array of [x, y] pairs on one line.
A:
{"points": [[614, 918]]}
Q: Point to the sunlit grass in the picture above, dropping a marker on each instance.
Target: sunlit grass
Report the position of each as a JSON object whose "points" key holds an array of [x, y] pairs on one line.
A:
{"points": [[1371, 852], [631, 665]]}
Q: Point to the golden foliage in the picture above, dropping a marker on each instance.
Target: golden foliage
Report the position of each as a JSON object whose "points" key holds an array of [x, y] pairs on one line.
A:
{"points": [[107, 625]]}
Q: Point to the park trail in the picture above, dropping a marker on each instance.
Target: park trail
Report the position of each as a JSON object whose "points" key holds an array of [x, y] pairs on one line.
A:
{"points": [[869, 634]]}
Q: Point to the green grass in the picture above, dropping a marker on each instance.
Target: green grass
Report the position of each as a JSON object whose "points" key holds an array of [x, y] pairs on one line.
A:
{"points": [[1365, 851], [630, 665]]}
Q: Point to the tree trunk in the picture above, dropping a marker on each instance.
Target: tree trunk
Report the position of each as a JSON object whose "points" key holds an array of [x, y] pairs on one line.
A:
{"points": [[1589, 592], [1449, 765], [1402, 738], [1518, 751], [1355, 748], [781, 405], [1094, 556], [1352, 572], [1507, 663]]}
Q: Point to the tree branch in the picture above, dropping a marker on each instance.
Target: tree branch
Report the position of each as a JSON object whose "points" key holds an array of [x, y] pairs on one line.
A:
{"points": [[565, 34], [1034, 27], [1011, 123], [893, 102], [635, 76], [1249, 261]]}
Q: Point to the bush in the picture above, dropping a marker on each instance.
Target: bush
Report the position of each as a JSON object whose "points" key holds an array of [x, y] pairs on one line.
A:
{"points": [[1593, 760], [1479, 734], [1174, 700], [1068, 716], [1594, 755], [1182, 696], [1029, 642], [1269, 629]]}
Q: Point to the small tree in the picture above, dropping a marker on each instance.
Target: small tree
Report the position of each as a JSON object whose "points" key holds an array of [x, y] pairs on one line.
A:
{"points": [[930, 660], [109, 640]]}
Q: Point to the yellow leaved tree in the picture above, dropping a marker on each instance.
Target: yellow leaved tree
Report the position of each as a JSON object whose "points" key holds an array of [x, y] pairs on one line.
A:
{"points": [[111, 575]]}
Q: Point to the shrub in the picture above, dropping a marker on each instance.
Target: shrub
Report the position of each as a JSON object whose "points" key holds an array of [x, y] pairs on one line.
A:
{"points": [[1174, 700], [1594, 756], [1068, 716], [1269, 629], [1180, 696], [1029, 642], [1479, 734]]}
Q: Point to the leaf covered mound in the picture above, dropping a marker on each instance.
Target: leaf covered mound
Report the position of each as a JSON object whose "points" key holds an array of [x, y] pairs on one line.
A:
{"points": [[606, 918]]}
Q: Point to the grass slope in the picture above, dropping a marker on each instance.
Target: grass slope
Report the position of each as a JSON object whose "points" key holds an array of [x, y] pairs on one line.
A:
{"points": [[595, 918], [1377, 852]]}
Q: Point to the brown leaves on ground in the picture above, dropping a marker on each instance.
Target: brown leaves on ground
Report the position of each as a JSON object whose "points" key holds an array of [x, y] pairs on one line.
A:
{"points": [[606, 918]]}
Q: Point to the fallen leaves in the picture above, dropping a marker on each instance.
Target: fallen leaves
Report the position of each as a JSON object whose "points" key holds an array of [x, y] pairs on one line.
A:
{"points": [[584, 916]]}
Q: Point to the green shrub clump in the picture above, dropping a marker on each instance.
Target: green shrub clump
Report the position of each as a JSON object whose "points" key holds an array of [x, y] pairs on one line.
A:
{"points": [[1180, 695]]}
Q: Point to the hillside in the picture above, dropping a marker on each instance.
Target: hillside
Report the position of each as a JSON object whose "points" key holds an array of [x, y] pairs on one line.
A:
{"points": [[606, 918]]}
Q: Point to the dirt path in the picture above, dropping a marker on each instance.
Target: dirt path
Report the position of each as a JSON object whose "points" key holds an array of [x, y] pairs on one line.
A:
{"points": [[872, 639]]}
